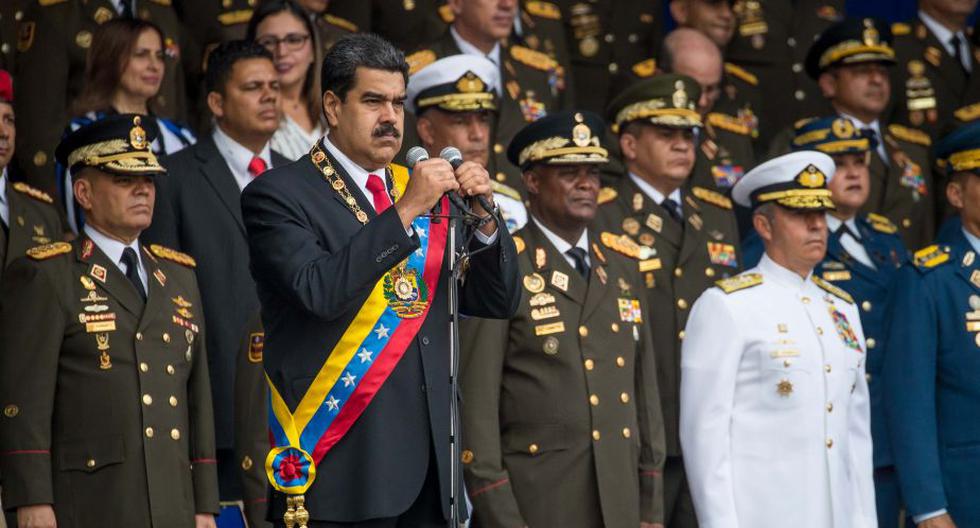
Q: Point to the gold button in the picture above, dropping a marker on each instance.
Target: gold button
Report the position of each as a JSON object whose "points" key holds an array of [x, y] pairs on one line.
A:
{"points": [[906, 222], [11, 411], [175, 434], [595, 434], [871, 342], [827, 368], [139, 336], [247, 463], [171, 370], [466, 456], [589, 364], [533, 448], [806, 300], [501, 176], [583, 331], [867, 377], [620, 362], [709, 272], [866, 306], [614, 327], [498, 148], [147, 399], [144, 367], [166, 337], [609, 38], [625, 398], [799, 95], [678, 272], [681, 334], [787, 363], [626, 432], [682, 304], [613, 67], [797, 67], [820, 330], [90, 463], [830, 407], [173, 401], [40, 158], [594, 400], [149, 432], [830, 443]]}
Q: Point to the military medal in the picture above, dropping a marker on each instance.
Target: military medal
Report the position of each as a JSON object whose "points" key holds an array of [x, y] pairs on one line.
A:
{"points": [[541, 299], [534, 283], [631, 226], [588, 46], [102, 342], [550, 345], [189, 336]]}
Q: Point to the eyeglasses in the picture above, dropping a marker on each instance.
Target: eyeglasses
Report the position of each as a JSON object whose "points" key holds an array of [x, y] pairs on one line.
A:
{"points": [[293, 41]]}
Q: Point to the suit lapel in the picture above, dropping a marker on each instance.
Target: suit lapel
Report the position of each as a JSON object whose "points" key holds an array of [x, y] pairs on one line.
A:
{"points": [[693, 230], [355, 191], [219, 177], [156, 292], [597, 289], [556, 266], [952, 73], [112, 280]]}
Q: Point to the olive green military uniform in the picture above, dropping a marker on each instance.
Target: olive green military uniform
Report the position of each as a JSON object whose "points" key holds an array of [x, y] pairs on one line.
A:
{"points": [[928, 85], [251, 423], [33, 221], [725, 152], [107, 406], [211, 22], [11, 12], [542, 29], [52, 43], [771, 40], [532, 86], [560, 407], [330, 29], [408, 24]]}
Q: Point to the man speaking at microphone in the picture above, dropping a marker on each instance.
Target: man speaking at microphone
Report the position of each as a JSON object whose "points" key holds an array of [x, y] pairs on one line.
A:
{"points": [[353, 277]]}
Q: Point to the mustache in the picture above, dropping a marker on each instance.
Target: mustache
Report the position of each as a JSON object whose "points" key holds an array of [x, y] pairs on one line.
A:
{"points": [[386, 129]]}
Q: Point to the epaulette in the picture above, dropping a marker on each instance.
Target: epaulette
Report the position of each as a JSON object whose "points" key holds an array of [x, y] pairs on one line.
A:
{"points": [[882, 224], [968, 113], [712, 197], [739, 282], [342, 23], [900, 29], [729, 123], [535, 59], [46, 3], [646, 68], [912, 135], [446, 14], [741, 73], [37, 194], [519, 242], [607, 194], [826, 286], [931, 256], [620, 244], [232, 18], [173, 255], [49, 250], [420, 59], [543, 10], [800, 122], [506, 190]]}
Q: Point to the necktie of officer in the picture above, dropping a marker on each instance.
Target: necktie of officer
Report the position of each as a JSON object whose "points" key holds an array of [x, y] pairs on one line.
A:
{"points": [[256, 167], [378, 193], [133, 271], [581, 265], [958, 53], [673, 209]]}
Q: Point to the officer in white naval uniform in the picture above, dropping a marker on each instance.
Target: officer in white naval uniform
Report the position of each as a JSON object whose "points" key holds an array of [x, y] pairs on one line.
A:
{"points": [[775, 420]]}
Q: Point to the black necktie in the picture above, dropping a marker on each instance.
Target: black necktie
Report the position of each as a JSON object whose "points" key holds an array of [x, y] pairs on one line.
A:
{"points": [[581, 266], [133, 271], [673, 209], [958, 53], [845, 230]]}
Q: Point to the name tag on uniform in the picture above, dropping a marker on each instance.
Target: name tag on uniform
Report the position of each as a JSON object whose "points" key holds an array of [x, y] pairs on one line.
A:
{"points": [[547, 329], [650, 265], [973, 326], [784, 353], [837, 275], [100, 326]]}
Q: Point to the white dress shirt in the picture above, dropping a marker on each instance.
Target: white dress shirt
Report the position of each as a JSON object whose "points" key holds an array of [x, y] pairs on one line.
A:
{"points": [[875, 127], [237, 157], [943, 34], [563, 246], [114, 250], [973, 240], [469, 49], [853, 246], [4, 204], [653, 193]]}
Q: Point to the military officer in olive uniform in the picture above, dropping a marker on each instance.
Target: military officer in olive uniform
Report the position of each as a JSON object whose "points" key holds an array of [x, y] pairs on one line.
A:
{"points": [[252, 425], [561, 412], [211, 22], [107, 415], [532, 83], [10, 13], [52, 42], [681, 238], [408, 24], [771, 40], [540, 26], [938, 67]]}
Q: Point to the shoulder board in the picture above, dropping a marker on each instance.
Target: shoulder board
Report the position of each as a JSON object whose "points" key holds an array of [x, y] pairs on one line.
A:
{"points": [[968, 113], [46, 3], [607, 194], [800, 122], [37, 194], [232, 18], [826, 286], [342, 23], [506, 190], [620, 244], [739, 282], [882, 224], [741, 73], [173, 255], [729, 123], [535, 59], [420, 59], [912, 135], [49, 250], [543, 10], [712, 197], [446, 14], [900, 29], [519, 242], [931, 256], [644, 69]]}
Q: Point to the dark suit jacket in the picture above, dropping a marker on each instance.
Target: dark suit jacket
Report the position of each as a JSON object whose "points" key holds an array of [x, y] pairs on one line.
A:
{"points": [[314, 265], [198, 212]]}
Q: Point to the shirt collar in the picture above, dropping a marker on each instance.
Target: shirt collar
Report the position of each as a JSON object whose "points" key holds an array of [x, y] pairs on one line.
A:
{"points": [[874, 125], [236, 155], [653, 193], [834, 223], [356, 172], [972, 239], [560, 243], [941, 32], [3, 186], [784, 276], [110, 246], [469, 49]]}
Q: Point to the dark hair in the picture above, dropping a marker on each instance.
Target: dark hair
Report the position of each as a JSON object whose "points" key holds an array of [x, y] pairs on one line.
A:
{"points": [[223, 58], [108, 55], [311, 85], [364, 50]]}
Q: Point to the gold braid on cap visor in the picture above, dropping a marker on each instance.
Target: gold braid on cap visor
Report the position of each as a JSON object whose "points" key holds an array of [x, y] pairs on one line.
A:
{"points": [[460, 102], [554, 150], [656, 110], [115, 154], [854, 51], [966, 160], [798, 198]]}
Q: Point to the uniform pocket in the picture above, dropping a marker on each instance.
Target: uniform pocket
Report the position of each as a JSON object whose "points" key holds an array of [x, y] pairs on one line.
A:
{"points": [[534, 439], [91, 455]]}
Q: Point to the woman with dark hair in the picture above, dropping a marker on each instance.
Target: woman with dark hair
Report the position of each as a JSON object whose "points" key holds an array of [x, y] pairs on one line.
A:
{"points": [[283, 28], [125, 68]]}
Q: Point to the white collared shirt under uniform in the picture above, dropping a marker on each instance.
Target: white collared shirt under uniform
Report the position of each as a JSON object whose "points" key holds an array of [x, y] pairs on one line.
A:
{"points": [[114, 250]]}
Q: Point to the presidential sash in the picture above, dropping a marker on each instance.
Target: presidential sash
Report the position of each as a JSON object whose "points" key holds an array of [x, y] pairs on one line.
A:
{"points": [[359, 363]]}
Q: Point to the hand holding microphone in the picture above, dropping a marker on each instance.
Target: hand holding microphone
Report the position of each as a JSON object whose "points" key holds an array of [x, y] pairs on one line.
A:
{"points": [[474, 180], [431, 179]]}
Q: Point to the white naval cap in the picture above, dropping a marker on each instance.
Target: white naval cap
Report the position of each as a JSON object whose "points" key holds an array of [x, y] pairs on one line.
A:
{"points": [[797, 181], [458, 83]]}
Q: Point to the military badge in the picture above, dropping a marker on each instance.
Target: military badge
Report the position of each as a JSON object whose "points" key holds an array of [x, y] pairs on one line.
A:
{"points": [[637, 202], [87, 283], [646, 239], [545, 312], [550, 328], [836, 275], [726, 175], [550, 345], [975, 278], [601, 272], [629, 310], [650, 265], [696, 222], [256, 343], [25, 36], [784, 388], [559, 280], [912, 177], [98, 272], [531, 108], [540, 258], [160, 277], [722, 254], [407, 296], [83, 39], [843, 327], [969, 258], [93, 297], [654, 222], [541, 299], [100, 326], [534, 283], [185, 313], [631, 226], [102, 343], [598, 253]]}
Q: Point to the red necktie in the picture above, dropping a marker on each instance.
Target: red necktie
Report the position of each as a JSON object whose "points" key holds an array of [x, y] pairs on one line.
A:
{"points": [[377, 187], [256, 166]]}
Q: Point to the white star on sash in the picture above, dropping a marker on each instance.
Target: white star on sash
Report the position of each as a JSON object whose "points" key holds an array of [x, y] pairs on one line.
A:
{"points": [[421, 232], [418, 252], [364, 355], [348, 379], [333, 404], [382, 331]]}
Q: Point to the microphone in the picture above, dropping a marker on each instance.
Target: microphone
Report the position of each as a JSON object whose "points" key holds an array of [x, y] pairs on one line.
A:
{"points": [[417, 154], [455, 158]]}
